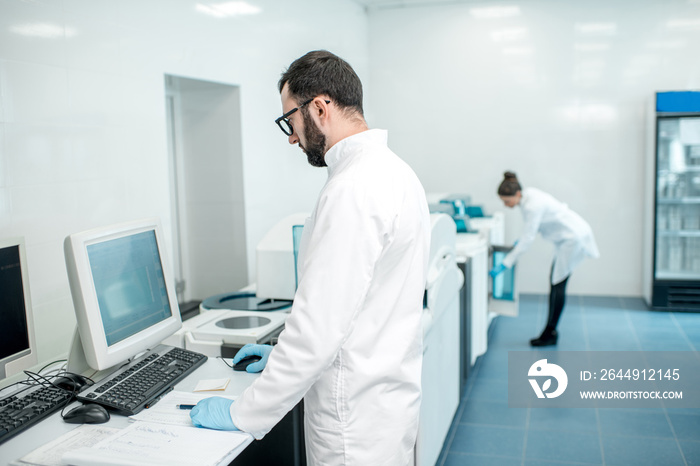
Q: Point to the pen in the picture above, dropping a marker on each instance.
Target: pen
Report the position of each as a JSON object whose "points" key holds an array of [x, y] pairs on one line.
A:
{"points": [[184, 406]]}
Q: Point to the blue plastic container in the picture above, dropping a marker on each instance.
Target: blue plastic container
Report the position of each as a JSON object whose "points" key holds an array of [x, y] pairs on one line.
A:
{"points": [[503, 286]]}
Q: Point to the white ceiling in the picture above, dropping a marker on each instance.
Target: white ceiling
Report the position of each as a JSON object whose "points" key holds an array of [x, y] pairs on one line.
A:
{"points": [[385, 4]]}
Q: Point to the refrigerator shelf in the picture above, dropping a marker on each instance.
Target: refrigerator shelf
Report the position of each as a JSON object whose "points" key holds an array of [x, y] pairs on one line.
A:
{"points": [[679, 233], [690, 169], [682, 200], [676, 275]]}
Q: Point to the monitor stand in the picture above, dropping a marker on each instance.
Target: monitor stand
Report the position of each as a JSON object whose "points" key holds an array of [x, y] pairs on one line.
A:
{"points": [[77, 363]]}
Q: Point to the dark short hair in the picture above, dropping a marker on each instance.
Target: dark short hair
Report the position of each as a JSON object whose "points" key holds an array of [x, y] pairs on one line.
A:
{"points": [[321, 72], [510, 185]]}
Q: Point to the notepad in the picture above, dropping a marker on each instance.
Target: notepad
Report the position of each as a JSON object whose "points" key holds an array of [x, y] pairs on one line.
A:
{"points": [[152, 444], [211, 385]]}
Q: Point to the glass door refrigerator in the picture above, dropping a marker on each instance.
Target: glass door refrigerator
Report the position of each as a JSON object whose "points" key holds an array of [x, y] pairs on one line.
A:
{"points": [[675, 264]]}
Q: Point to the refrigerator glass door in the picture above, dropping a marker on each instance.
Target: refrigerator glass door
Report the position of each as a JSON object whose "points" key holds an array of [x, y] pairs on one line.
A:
{"points": [[678, 199]]}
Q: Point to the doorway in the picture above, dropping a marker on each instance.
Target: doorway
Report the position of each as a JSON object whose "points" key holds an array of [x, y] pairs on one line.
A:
{"points": [[206, 179]]}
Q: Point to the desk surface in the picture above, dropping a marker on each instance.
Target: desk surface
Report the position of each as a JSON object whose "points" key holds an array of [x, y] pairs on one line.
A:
{"points": [[53, 426]]}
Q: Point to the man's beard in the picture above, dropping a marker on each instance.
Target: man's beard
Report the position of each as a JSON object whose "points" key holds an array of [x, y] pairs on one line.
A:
{"points": [[315, 147]]}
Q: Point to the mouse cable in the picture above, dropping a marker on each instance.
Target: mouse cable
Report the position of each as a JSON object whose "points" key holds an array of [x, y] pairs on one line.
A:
{"points": [[38, 379], [46, 381], [73, 392], [222, 358], [68, 401], [52, 363], [31, 381], [21, 382], [65, 373]]}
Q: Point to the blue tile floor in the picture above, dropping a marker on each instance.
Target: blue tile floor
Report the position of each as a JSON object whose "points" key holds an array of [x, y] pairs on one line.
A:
{"points": [[486, 431]]}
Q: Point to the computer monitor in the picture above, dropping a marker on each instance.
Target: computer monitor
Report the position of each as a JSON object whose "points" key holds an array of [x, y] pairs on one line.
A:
{"points": [[123, 291], [17, 344]]}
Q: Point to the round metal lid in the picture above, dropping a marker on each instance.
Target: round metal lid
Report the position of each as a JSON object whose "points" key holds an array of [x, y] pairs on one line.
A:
{"points": [[241, 301], [243, 322]]}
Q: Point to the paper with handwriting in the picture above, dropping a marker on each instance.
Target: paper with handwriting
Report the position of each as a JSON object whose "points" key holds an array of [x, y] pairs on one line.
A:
{"points": [[147, 443]]}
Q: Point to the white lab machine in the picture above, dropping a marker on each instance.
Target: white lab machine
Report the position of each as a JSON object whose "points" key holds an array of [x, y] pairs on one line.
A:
{"points": [[441, 342], [472, 251], [276, 259], [223, 332], [491, 227], [275, 272], [468, 217], [476, 234], [255, 314], [483, 297]]}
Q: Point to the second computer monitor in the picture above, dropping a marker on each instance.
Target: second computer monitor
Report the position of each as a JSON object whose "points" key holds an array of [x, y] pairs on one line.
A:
{"points": [[122, 290], [17, 345]]}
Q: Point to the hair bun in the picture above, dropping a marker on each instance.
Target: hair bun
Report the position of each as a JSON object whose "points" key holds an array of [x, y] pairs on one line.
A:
{"points": [[510, 176]]}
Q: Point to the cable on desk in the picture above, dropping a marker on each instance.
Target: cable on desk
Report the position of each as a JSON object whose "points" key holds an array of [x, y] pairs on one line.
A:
{"points": [[222, 358], [52, 363], [48, 382]]}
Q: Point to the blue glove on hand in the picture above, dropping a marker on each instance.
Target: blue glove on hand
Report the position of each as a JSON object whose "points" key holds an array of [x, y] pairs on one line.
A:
{"points": [[496, 270], [213, 413], [254, 350]]}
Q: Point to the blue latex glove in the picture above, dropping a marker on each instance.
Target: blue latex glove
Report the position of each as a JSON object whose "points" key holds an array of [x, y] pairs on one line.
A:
{"points": [[213, 413], [496, 270], [254, 350]]}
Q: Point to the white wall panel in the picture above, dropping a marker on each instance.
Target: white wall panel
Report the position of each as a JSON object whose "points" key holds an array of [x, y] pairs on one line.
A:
{"points": [[555, 91], [32, 32], [33, 93]]}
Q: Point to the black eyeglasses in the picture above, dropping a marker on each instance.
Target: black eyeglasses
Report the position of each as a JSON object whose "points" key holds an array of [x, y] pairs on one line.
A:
{"points": [[283, 121]]}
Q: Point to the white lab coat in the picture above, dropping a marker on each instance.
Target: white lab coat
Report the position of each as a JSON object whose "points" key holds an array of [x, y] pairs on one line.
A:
{"points": [[571, 235], [352, 345]]}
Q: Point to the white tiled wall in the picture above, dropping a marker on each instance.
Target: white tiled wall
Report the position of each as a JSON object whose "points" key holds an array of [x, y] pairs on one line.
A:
{"points": [[82, 117], [555, 91]]}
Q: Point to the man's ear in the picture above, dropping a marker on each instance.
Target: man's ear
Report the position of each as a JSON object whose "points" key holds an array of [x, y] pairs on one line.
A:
{"points": [[319, 107]]}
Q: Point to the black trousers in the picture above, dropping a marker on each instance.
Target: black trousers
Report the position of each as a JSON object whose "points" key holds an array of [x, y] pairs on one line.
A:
{"points": [[557, 299]]}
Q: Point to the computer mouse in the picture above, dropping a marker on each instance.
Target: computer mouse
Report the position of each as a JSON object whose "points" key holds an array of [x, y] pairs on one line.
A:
{"points": [[71, 382], [90, 413], [245, 362]]}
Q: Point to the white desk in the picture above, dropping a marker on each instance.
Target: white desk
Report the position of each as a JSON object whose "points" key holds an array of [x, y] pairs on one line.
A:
{"points": [[53, 426]]}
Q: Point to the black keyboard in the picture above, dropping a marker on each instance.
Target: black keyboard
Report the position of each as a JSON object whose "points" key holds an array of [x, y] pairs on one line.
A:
{"points": [[22, 410], [132, 388]]}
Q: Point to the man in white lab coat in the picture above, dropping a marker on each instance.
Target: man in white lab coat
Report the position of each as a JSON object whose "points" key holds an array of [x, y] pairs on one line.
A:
{"points": [[571, 235], [352, 345]]}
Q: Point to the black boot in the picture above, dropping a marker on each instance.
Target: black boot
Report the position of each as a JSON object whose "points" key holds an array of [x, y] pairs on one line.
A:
{"points": [[548, 338]]}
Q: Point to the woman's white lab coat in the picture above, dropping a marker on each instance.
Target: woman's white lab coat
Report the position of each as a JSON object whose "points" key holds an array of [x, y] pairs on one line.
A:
{"points": [[571, 235], [352, 345]]}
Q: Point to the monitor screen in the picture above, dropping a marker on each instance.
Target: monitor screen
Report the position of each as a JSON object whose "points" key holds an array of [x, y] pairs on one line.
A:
{"points": [[122, 291], [17, 350], [129, 284]]}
